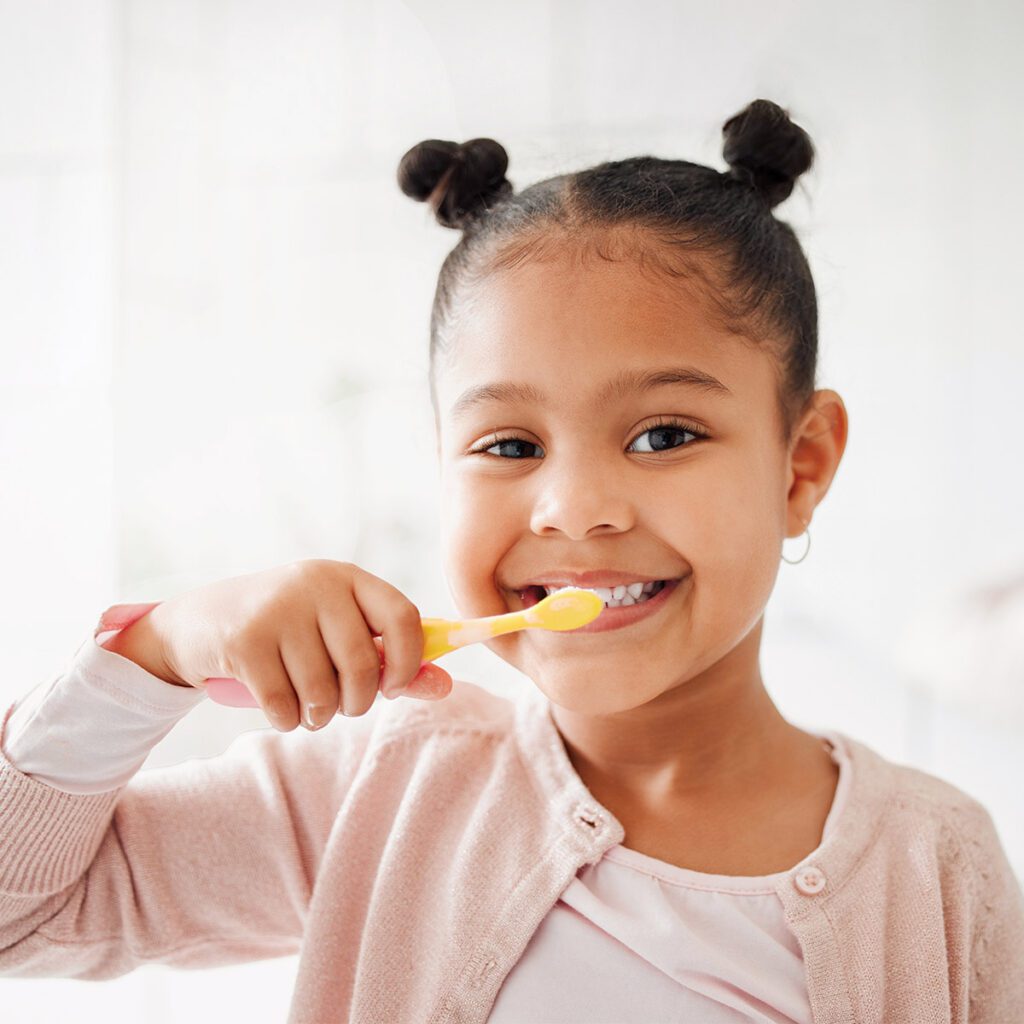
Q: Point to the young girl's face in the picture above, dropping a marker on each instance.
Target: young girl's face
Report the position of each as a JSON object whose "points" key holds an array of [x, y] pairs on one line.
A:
{"points": [[586, 484]]}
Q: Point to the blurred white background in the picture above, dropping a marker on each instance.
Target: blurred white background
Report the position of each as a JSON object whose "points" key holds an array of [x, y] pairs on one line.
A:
{"points": [[214, 306]]}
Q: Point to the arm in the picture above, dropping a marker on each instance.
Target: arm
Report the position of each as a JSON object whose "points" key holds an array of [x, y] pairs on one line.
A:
{"points": [[995, 982], [134, 640], [205, 863], [51, 731]]}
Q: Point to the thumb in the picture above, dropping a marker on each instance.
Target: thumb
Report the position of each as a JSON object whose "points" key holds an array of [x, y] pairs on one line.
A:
{"points": [[431, 683]]}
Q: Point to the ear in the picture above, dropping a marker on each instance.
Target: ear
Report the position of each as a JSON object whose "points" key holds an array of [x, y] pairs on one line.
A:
{"points": [[819, 441]]}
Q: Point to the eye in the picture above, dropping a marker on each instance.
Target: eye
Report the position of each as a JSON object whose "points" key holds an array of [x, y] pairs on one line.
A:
{"points": [[497, 441], [665, 428], [662, 433]]}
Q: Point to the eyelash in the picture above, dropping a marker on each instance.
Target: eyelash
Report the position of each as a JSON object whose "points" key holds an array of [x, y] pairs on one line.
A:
{"points": [[681, 425]]}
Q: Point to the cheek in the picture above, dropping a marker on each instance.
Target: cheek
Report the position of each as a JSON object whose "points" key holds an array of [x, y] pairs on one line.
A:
{"points": [[735, 548], [477, 532]]}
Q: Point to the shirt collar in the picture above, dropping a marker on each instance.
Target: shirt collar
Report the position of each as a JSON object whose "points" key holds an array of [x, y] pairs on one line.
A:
{"points": [[576, 810]]}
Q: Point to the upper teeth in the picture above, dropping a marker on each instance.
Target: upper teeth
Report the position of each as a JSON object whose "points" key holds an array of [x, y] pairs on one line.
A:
{"points": [[608, 594]]}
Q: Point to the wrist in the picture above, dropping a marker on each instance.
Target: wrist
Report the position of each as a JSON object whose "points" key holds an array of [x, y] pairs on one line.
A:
{"points": [[138, 643]]}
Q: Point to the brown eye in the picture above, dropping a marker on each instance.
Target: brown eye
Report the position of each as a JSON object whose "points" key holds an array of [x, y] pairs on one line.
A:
{"points": [[498, 441], [664, 431]]}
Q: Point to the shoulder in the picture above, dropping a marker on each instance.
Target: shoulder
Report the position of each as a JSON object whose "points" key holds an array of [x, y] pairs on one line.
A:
{"points": [[921, 804]]}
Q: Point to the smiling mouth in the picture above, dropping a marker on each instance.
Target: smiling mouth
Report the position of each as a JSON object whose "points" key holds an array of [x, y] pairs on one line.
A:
{"points": [[613, 597]]}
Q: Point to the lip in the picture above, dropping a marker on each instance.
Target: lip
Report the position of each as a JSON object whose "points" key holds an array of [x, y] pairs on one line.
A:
{"points": [[588, 580], [626, 615]]}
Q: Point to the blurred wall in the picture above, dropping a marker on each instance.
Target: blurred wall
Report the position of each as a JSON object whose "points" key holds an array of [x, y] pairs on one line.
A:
{"points": [[215, 308]]}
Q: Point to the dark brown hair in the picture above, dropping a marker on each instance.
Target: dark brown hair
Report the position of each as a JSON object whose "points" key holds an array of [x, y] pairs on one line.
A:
{"points": [[758, 282]]}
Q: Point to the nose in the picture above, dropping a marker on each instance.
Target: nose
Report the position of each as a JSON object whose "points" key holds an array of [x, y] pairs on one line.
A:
{"points": [[579, 498]]}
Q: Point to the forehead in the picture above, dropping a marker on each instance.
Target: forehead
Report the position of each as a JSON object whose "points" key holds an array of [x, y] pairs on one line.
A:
{"points": [[568, 329]]}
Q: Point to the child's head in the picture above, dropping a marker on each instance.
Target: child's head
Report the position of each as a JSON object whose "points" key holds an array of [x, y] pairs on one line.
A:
{"points": [[622, 370]]}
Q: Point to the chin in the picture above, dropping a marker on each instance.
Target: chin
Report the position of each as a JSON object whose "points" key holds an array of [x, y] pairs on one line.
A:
{"points": [[582, 696]]}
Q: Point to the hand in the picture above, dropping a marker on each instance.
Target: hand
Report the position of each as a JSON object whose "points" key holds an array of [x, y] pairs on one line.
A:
{"points": [[309, 632]]}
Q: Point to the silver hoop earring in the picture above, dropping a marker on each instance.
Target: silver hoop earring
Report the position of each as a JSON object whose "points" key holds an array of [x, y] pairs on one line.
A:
{"points": [[807, 530]]}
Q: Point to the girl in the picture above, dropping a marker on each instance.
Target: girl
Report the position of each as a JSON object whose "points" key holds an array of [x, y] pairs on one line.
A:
{"points": [[622, 375]]}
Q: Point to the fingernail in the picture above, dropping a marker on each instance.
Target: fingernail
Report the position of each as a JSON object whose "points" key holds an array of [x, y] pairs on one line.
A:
{"points": [[318, 715]]}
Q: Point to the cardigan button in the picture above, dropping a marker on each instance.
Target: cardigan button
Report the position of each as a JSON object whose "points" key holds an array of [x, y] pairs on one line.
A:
{"points": [[809, 880], [587, 818]]}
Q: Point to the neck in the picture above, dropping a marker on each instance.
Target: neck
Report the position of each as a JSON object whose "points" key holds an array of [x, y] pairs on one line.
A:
{"points": [[709, 735]]}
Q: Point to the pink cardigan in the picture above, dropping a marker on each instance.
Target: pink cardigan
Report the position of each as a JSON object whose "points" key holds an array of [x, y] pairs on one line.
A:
{"points": [[631, 938], [409, 856]]}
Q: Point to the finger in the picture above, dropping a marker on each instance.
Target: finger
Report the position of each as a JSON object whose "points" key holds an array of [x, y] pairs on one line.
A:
{"points": [[351, 649], [314, 677], [393, 617], [266, 678]]}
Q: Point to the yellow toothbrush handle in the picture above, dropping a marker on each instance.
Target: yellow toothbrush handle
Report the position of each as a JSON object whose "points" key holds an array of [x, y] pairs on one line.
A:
{"points": [[565, 609], [438, 634], [435, 638]]}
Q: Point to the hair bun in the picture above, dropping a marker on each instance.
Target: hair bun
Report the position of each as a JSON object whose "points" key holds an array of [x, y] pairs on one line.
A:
{"points": [[458, 179], [765, 149]]}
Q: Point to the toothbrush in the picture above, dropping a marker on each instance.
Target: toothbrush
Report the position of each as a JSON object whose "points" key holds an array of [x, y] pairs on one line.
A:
{"points": [[564, 609]]}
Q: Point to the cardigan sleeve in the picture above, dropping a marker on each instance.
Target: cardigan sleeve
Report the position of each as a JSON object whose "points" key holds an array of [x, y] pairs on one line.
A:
{"points": [[996, 979], [200, 864]]}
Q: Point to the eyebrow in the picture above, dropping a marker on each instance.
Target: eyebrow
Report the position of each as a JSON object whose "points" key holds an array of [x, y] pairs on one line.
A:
{"points": [[618, 387]]}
